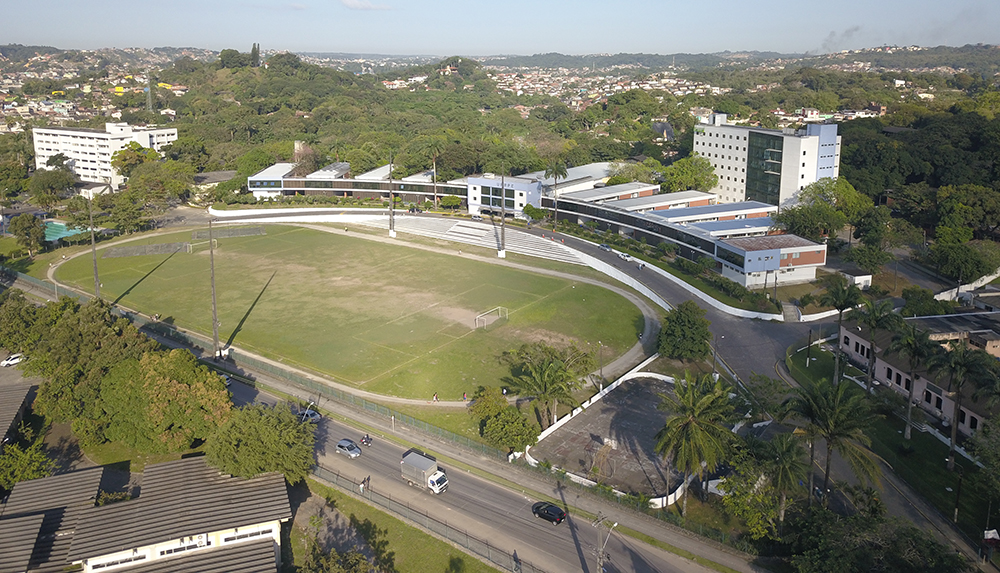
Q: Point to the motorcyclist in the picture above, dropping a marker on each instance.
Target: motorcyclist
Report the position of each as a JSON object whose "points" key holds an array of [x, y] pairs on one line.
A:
{"points": [[366, 440]]}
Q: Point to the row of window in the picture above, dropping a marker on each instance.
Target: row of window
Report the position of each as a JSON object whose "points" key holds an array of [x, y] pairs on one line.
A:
{"points": [[181, 549], [238, 536]]}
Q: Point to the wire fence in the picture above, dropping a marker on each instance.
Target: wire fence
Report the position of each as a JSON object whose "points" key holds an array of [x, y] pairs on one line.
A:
{"points": [[460, 537]]}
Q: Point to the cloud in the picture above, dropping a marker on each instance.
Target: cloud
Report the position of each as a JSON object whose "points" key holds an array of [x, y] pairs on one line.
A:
{"points": [[363, 5]]}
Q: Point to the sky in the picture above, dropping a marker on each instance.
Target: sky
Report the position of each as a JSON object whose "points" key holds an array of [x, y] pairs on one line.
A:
{"points": [[523, 27]]}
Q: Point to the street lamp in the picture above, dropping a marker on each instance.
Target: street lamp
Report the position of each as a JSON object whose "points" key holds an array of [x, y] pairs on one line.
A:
{"points": [[215, 308], [601, 555], [715, 353], [958, 491], [600, 361], [392, 203]]}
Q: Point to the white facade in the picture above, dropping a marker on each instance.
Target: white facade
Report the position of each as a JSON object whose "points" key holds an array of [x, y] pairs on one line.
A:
{"points": [[90, 150], [747, 160], [484, 194]]}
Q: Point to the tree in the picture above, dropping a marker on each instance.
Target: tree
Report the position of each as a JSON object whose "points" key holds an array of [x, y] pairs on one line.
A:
{"points": [[260, 438], [877, 317], [28, 230], [838, 193], [48, 186], [868, 258], [878, 229], [555, 169], [750, 496], [433, 147], [509, 429], [685, 333], [548, 381], [921, 302], [319, 561], [695, 172], [962, 364], [19, 464], [57, 161], [255, 56], [451, 201], [131, 156], [126, 212], [841, 296], [986, 446], [813, 222], [785, 464], [839, 416], [695, 435], [918, 348], [488, 401], [962, 263]]}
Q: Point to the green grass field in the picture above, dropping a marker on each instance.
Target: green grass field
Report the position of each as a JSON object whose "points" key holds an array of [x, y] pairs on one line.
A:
{"points": [[388, 318]]}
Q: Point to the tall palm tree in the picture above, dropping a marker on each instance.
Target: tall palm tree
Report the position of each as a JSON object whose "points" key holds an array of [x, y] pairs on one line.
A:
{"points": [[918, 348], [841, 296], [695, 435], [877, 316], [434, 146], [555, 169], [838, 415], [786, 466], [962, 364], [549, 381]]}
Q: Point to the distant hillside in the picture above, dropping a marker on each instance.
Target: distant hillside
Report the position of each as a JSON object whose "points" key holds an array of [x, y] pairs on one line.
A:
{"points": [[645, 61], [19, 53], [974, 58]]}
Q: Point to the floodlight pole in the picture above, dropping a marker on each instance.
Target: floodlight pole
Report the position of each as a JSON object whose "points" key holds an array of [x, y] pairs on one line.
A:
{"points": [[392, 203], [215, 308], [502, 253], [93, 244], [601, 555]]}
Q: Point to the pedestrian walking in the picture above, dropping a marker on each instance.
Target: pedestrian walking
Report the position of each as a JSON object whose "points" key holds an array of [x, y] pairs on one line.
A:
{"points": [[465, 396], [435, 396]]}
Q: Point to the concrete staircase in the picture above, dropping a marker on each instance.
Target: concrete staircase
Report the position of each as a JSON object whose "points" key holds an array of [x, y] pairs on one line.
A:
{"points": [[790, 312]]}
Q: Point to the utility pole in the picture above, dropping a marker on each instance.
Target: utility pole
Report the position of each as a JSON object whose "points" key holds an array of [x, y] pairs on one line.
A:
{"points": [[215, 308], [602, 556], [502, 253], [392, 203], [93, 243]]}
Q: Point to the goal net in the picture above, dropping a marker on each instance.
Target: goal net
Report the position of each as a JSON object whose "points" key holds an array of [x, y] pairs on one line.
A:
{"points": [[491, 317]]}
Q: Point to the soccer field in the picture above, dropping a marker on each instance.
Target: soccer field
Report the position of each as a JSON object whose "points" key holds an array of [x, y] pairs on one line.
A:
{"points": [[388, 318]]}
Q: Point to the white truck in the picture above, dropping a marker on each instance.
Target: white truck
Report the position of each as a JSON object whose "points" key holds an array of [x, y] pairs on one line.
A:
{"points": [[421, 470]]}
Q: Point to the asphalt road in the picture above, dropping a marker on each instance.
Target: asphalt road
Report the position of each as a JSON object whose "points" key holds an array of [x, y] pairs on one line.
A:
{"points": [[484, 509]]}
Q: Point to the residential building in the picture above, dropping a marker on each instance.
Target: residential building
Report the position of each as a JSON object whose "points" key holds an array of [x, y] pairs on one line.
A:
{"points": [[89, 151], [932, 394], [13, 403], [767, 165], [487, 192]]}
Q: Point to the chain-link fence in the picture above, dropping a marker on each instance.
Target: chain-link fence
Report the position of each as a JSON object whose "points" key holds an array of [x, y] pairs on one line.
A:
{"points": [[494, 555]]}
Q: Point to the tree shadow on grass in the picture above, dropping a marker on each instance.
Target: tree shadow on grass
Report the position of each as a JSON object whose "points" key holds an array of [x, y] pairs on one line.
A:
{"points": [[129, 290], [239, 327], [385, 560]]}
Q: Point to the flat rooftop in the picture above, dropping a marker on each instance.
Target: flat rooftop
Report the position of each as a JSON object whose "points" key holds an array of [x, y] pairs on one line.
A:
{"points": [[591, 171], [770, 242], [957, 323], [602, 193], [661, 199], [276, 171], [333, 170], [761, 224], [377, 174], [680, 215]]}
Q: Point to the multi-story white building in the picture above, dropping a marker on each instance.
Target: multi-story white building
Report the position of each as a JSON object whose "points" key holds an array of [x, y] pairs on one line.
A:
{"points": [[767, 165], [89, 151], [493, 194]]}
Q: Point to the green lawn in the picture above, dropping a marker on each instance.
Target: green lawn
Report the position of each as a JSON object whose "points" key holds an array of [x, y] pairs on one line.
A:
{"points": [[413, 551], [387, 318]]}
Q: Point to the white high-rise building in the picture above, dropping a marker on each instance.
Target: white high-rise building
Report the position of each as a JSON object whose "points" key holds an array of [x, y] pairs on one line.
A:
{"points": [[89, 151], [767, 165]]}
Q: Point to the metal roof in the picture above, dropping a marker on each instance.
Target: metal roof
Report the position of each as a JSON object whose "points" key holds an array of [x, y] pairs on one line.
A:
{"points": [[955, 324], [182, 498], [17, 541], [610, 191], [377, 174], [250, 557], [713, 211], [592, 171], [662, 199], [12, 398], [276, 171], [60, 501], [331, 171]]}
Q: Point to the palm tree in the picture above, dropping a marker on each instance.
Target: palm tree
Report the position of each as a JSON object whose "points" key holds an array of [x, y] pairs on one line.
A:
{"points": [[786, 466], [695, 435], [918, 348], [877, 316], [838, 415], [549, 381], [841, 296], [434, 146], [555, 169], [962, 363]]}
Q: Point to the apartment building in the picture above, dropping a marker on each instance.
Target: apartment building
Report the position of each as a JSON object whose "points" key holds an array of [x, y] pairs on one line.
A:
{"points": [[767, 165], [90, 150]]}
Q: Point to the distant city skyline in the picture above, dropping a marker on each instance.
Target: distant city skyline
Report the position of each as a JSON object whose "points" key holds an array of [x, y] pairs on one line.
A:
{"points": [[516, 27]]}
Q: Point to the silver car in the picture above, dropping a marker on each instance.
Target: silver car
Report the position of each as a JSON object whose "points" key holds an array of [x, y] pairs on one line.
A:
{"points": [[349, 448]]}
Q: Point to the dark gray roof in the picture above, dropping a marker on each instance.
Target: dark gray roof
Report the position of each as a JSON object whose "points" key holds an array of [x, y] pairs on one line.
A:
{"points": [[17, 541], [209, 177], [59, 500], [253, 557], [12, 397], [180, 499]]}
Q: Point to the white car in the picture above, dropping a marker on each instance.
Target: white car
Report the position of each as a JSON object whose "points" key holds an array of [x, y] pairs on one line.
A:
{"points": [[625, 257], [310, 416], [12, 360]]}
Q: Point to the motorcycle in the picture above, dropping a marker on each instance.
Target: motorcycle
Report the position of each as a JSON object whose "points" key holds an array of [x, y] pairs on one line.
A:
{"points": [[366, 441]]}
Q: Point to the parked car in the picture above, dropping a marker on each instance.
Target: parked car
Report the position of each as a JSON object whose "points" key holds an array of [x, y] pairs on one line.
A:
{"points": [[349, 448], [549, 512], [12, 360], [604, 247]]}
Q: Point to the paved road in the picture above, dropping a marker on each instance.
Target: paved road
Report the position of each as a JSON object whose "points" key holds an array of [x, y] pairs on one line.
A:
{"points": [[484, 509]]}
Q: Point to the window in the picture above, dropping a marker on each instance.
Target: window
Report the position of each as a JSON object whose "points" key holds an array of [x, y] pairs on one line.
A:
{"points": [[973, 422], [847, 341], [961, 416], [927, 396], [899, 379], [888, 373], [937, 401]]}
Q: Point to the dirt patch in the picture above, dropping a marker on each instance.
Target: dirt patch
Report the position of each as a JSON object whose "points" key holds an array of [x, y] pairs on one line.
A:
{"points": [[333, 530], [454, 314], [530, 335]]}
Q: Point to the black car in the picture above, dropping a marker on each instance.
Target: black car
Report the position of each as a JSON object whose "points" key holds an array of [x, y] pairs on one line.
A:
{"points": [[549, 512]]}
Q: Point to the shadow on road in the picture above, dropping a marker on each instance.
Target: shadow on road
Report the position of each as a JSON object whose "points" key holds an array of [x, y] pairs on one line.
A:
{"points": [[581, 553]]}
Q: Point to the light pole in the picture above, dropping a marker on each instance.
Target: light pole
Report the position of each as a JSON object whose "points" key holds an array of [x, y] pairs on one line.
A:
{"points": [[215, 309], [93, 242], [600, 361], [502, 253], [601, 555], [715, 353], [958, 492], [392, 203]]}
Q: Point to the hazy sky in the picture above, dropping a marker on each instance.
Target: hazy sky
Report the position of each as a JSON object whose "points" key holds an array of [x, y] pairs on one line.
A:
{"points": [[475, 28]]}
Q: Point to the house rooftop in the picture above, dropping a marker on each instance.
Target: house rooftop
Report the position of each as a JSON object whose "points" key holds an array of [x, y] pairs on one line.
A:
{"points": [[248, 557], [12, 399], [959, 323], [179, 499], [769, 242], [662, 199], [610, 191]]}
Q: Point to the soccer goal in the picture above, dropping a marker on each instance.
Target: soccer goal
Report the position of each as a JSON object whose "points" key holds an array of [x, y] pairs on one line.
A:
{"points": [[491, 316], [192, 247]]}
